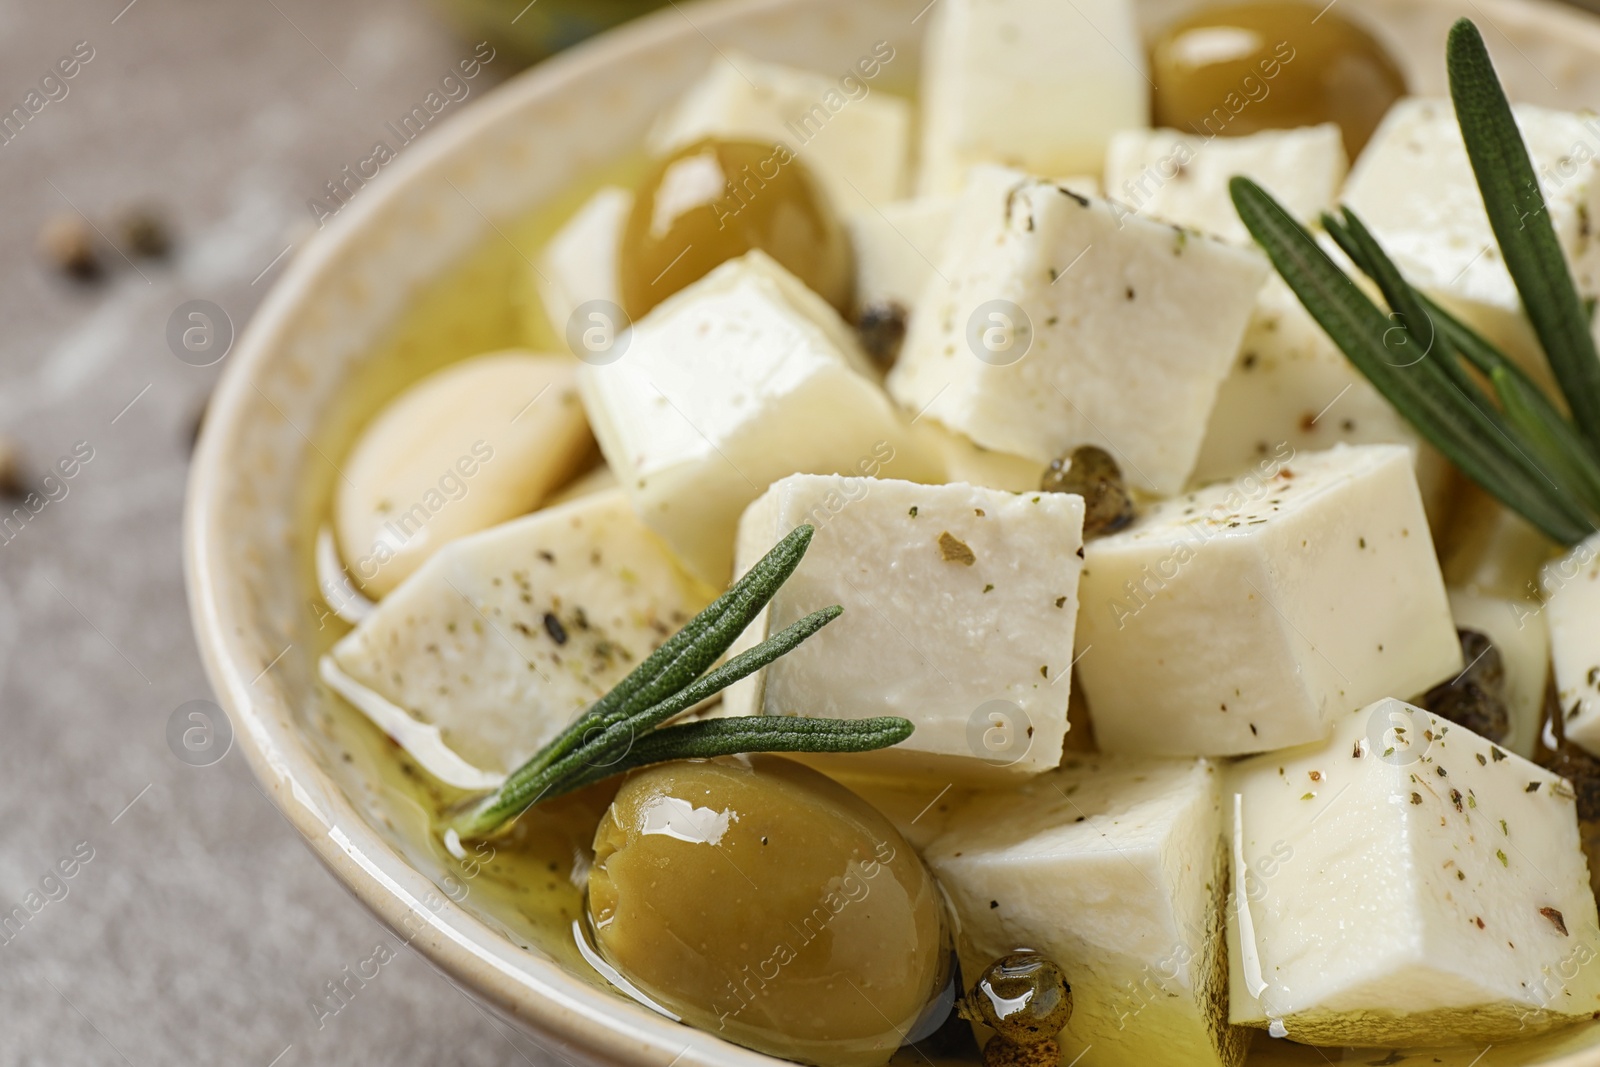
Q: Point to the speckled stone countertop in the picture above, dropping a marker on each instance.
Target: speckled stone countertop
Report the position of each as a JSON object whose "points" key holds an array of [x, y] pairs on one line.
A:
{"points": [[199, 930]]}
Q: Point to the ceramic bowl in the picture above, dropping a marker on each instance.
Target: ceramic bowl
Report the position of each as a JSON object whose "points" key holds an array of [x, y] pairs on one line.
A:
{"points": [[284, 409]]}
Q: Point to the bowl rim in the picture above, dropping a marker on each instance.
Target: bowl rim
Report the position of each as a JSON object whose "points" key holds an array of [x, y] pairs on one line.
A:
{"points": [[590, 1024]]}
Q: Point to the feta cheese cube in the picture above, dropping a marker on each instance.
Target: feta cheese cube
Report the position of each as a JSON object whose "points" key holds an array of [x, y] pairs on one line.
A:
{"points": [[855, 138], [725, 387], [1404, 881], [1493, 550], [503, 637], [1182, 179], [976, 465], [896, 249], [1061, 321], [1029, 83], [1249, 615], [1517, 629], [1572, 607], [579, 264], [959, 609], [1115, 869], [1291, 386], [1414, 188]]}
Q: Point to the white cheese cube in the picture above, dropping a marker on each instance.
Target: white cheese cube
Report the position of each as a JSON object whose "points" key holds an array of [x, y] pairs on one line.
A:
{"points": [[854, 137], [976, 465], [1572, 607], [1493, 550], [1291, 387], [1183, 179], [1518, 631], [897, 248], [502, 638], [1029, 83], [579, 264], [1115, 869], [1061, 321], [1249, 615], [959, 609], [727, 386], [1414, 188], [1407, 881]]}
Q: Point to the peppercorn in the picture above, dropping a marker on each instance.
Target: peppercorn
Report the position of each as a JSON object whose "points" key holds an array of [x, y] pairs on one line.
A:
{"points": [[67, 242], [145, 233]]}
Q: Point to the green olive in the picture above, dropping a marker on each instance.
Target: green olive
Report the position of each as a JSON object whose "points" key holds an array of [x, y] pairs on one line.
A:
{"points": [[768, 904], [716, 200], [1237, 68]]}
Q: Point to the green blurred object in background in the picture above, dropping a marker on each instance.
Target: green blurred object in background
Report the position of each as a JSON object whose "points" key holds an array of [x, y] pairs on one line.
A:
{"points": [[528, 32]]}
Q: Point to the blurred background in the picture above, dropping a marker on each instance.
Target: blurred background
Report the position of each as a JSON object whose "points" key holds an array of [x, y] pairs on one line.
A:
{"points": [[177, 163]]}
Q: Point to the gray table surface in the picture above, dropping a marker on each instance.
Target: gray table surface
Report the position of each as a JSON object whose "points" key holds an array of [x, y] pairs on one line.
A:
{"points": [[202, 929]]}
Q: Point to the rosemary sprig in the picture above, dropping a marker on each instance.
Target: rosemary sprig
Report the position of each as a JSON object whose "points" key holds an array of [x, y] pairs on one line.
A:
{"points": [[624, 729], [1522, 227], [1511, 438]]}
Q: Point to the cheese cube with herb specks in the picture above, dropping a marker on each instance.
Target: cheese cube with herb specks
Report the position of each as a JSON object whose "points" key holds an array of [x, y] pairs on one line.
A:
{"points": [[854, 136], [1062, 321], [959, 609], [725, 387], [580, 262], [1183, 179], [1029, 83], [1290, 385], [1404, 881], [1414, 188], [503, 637], [1116, 870], [1572, 605], [1249, 615]]}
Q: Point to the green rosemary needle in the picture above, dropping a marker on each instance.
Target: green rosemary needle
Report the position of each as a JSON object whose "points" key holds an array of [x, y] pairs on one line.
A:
{"points": [[1510, 437], [625, 728]]}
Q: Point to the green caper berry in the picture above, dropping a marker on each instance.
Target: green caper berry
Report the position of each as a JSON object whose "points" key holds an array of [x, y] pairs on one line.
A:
{"points": [[1094, 475], [1023, 997]]}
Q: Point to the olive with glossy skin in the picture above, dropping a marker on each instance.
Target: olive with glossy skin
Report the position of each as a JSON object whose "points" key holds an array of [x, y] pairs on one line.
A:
{"points": [[716, 200], [766, 903], [1233, 69]]}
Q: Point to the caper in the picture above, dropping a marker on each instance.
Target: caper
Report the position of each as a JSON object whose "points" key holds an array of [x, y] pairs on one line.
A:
{"points": [[766, 903], [715, 200], [1237, 68], [1092, 474], [882, 329], [1476, 697], [1580, 768], [1023, 997]]}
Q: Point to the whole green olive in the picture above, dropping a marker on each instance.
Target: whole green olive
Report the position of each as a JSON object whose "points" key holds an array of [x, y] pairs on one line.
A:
{"points": [[766, 903], [716, 200], [1237, 68]]}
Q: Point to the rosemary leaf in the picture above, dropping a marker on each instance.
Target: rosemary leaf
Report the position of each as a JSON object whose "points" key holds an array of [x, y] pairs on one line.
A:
{"points": [[1425, 396], [1522, 227], [760, 733], [1550, 437], [1434, 344], [599, 746], [686, 654]]}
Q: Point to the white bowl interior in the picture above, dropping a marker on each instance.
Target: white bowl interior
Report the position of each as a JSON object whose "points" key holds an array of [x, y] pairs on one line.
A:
{"points": [[382, 297]]}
